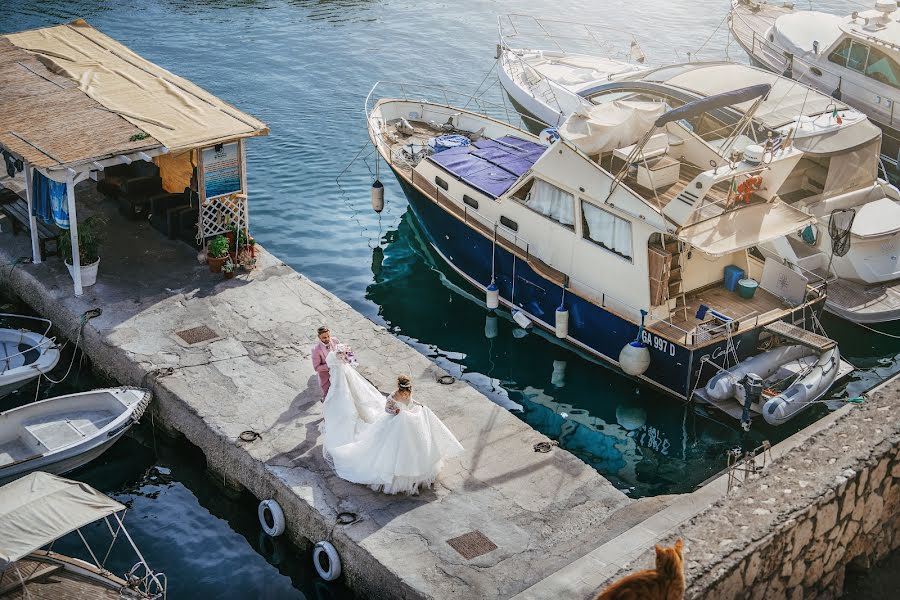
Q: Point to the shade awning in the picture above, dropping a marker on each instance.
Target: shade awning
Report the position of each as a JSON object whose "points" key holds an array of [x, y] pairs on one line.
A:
{"points": [[839, 141], [705, 105], [745, 227], [80, 95], [40, 508]]}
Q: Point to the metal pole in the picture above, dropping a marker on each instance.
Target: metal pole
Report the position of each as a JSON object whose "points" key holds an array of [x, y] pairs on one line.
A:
{"points": [[73, 232], [32, 220]]}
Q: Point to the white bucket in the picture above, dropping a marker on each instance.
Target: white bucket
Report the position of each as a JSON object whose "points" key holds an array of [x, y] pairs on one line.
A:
{"points": [[88, 273]]}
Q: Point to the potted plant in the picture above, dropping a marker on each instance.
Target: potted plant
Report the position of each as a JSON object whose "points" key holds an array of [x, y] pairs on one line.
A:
{"points": [[246, 259], [217, 253], [228, 269], [89, 239]]}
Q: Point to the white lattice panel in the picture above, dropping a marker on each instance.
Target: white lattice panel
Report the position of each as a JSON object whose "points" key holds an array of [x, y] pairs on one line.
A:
{"points": [[217, 214]]}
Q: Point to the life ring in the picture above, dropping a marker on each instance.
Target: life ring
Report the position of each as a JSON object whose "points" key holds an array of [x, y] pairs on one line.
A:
{"points": [[276, 527], [327, 561], [747, 187]]}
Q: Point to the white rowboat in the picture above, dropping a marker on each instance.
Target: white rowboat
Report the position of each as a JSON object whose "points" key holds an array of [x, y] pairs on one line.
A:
{"points": [[60, 434]]}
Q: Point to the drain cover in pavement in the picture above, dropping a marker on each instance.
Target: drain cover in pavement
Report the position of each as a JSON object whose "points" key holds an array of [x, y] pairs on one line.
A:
{"points": [[472, 544], [196, 335]]}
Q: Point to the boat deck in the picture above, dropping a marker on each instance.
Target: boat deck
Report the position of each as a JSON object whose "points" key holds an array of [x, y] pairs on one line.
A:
{"points": [[864, 304], [51, 581], [762, 307], [749, 23]]}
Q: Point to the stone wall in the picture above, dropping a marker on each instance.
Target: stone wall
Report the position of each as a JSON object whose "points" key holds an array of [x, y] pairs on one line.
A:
{"points": [[792, 531]]}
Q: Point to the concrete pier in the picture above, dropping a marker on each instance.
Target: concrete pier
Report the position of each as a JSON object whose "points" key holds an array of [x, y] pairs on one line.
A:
{"points": [[542, 511]]}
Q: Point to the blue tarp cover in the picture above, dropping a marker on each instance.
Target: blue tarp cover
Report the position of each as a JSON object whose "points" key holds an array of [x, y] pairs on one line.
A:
{"points": [[490, 166]]}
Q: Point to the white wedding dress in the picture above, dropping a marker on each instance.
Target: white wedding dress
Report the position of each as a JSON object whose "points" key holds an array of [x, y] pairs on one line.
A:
{"points": [[352, 403], [366, 444]]}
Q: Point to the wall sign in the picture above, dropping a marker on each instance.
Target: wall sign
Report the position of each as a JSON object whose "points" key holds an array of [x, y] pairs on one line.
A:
{"points": [[221, 170]]}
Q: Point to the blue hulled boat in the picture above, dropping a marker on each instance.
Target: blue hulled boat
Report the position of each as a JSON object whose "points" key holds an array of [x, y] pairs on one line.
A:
{"points": [[625, 233]]}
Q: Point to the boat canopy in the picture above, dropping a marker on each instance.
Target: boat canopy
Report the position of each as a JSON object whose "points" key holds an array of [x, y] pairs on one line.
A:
{"points": [[710, 103], [800, 29], [744, 227], [787, 99], [841, 140], [40, 508]]}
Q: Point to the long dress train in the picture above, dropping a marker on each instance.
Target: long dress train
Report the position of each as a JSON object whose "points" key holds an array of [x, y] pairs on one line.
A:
{"points": [[398, 453], [351, 405]]}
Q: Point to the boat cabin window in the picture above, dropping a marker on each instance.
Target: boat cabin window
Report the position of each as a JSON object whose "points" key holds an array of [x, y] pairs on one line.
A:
{"points": [[871, 62], [509, 223], [470, 201], [607, 230], [441, 183], [548, 200]]}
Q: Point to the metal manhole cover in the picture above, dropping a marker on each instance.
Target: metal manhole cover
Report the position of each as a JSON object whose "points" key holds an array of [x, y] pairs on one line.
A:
{"points": [[196, 335], [472, 544]]}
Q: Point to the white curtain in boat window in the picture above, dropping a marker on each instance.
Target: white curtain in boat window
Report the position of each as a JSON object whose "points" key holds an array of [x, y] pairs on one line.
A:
{"points": [[606, 229], [552, 202]]}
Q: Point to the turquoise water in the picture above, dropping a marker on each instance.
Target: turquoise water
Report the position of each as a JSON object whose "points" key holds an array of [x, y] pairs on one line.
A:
{"points": [[305, 68]]}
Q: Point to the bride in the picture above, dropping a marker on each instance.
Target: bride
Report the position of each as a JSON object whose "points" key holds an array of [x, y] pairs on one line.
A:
{"points": [[400, 450]]}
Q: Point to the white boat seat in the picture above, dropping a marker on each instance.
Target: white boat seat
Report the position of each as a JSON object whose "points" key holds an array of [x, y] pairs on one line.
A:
{"points": [[657, 145], [55, 431], [17, 450], [54, 434]]}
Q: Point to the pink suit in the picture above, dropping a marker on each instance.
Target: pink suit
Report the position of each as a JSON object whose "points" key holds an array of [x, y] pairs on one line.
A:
{"points": [[319, 352]]}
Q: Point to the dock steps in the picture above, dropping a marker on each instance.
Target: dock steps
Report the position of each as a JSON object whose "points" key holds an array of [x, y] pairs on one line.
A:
{"points": [[800, 335]]}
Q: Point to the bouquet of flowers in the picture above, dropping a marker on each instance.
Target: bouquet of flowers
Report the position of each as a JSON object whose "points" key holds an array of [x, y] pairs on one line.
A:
{"points": [[345, 353]]}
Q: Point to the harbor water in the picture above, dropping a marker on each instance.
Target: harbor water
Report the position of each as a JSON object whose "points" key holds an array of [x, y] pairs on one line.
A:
{"points": [[305, 68]]}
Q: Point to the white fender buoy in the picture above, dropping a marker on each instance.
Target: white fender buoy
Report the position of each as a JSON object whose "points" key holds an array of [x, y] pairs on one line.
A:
{"points": [[270, 508], [558, 378], [377, 196], [327, 561], [634, 358], [520, 318], [490, 326], [493, 296], [562, 322]]}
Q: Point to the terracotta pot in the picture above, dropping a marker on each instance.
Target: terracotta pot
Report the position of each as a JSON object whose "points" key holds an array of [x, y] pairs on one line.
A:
{"points": [[228, 274], [215, 264]]}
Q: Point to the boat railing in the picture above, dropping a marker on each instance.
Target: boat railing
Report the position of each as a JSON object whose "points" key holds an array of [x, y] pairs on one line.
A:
{"points": [[449, 98], [45, 339], [785, 61], [567, 37]]}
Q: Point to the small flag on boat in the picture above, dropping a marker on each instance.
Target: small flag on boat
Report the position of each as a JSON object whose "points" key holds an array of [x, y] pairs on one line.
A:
{"points": [[836, 116]]}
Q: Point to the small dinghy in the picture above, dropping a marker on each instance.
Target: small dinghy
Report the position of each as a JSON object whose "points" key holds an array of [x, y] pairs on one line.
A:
{"points": [[24, 354], [63, 433], [781, 382]]}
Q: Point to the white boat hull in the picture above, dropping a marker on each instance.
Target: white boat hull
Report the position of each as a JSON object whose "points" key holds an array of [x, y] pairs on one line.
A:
{"points": [[60, 434], [18, 366]]}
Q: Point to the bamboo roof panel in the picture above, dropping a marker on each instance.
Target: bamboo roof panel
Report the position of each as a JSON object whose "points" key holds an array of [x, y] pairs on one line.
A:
{"points": [[49, 122]]}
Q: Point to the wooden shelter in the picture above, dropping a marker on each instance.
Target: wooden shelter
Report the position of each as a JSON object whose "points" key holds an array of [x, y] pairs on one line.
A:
{"points": [[74, 101]]}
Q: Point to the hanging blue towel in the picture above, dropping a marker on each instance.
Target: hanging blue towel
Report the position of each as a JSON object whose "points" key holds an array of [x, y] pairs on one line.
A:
{"points": [[40, 197], [59, 204]]}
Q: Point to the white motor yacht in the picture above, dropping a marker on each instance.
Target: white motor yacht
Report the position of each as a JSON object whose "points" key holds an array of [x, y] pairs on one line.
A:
{"points": [[623, 235], [855, 58]]}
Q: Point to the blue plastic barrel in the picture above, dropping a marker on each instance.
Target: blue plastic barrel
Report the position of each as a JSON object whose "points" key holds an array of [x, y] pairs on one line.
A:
{"points": [[733, 274]]}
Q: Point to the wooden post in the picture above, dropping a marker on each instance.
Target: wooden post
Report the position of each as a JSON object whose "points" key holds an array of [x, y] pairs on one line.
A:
{"points": [[73, 232], [32, 220]]}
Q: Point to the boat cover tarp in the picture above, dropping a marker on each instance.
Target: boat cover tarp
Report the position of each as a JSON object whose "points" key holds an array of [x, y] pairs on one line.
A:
{"points": [[705, 105], [173, 110], [40, 508], [490, 166], [745, 227], [610, 125]]}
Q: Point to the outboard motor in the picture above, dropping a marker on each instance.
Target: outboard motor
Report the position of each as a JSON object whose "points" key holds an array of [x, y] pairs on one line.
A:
{"points": [[752, 387]]}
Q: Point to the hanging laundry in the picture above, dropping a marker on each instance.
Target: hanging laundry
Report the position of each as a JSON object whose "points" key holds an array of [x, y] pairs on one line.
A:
{"points": [[40, 197], [59, 204], [49, 201]]}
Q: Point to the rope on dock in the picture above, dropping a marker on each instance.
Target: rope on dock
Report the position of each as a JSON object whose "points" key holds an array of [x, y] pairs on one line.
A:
{"points": [[86, 316]]}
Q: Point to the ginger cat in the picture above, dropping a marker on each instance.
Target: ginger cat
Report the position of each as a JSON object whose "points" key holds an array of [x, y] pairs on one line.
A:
{"points": [[665, 582]]}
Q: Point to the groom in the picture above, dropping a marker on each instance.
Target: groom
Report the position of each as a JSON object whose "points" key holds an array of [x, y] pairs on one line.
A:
{"points": [[320, 351]]}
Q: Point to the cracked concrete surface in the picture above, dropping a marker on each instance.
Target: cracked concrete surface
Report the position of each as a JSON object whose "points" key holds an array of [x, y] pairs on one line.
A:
{"points": [[542, 510]]}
